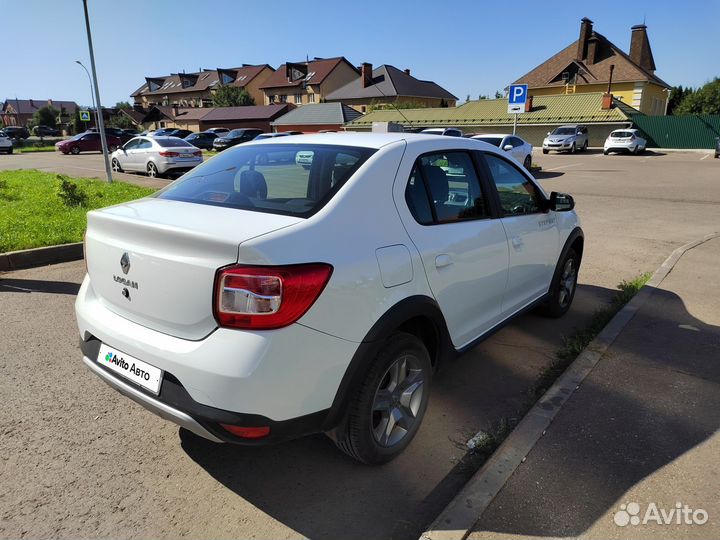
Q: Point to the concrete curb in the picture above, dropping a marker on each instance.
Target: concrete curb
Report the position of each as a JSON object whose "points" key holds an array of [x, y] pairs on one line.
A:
{"points": [[30, 258], [459, 517]]}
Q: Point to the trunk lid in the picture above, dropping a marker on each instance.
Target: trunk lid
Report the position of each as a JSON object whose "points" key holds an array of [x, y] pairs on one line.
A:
{"points": [[153, 261]]}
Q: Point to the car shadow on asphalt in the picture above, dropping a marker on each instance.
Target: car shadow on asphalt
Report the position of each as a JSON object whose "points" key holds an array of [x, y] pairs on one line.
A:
{"points": [[36, 285], [311, 487], [653, 398]]}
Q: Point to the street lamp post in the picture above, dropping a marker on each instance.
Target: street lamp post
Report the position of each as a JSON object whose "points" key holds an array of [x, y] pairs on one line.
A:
{"points": [[100, 121], [92, 94]]}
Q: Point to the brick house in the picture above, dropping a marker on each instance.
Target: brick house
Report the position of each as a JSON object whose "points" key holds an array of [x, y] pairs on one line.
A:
{"points": [[321, 77], [316, 117], [593, 63], [18, 112], [195, 89], [386, 85]]}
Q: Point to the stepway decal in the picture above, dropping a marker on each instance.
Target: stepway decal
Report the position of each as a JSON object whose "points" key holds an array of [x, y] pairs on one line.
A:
{"points": [[121, 363]]}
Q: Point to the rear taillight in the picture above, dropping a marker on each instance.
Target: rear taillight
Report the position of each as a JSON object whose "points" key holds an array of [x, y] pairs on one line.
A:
{"points": [[169, 154], [265, 297], [198, 153]]}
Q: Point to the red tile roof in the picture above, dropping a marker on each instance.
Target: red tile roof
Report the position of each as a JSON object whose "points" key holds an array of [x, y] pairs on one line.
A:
{"points": [[318, 70]]}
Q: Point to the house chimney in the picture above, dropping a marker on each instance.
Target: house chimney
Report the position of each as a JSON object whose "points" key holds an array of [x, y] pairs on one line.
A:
{"points": [[407, 72], [592, 50], [50, 102], [607, 98], [586, 26], [640, 51], [32, 103], [175, 109], [528, 104], [366, 74]]}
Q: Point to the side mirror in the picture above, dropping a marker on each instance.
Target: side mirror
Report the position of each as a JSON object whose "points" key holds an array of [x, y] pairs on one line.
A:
{"points": [[508, 147], [548, 133], [561, 202]]}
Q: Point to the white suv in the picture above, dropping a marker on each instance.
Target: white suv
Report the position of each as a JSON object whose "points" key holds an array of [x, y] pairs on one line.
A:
{"points": [[254, 300]]}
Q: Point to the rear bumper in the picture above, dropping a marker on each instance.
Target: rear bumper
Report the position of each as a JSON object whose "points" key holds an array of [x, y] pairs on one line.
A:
{"points": [[286, 378], [173, 403], [170, 165]]}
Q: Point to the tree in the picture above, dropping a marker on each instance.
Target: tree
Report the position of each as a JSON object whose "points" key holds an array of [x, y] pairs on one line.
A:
{"points": [[123, 105], [704, 100], [121, 121], [677, 94], [78, 126], [498, 94], [46, 116], [231, 96]]}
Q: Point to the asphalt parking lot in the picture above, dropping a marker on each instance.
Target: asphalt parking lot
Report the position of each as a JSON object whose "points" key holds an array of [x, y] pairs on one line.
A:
{"points": [[84, 461]]}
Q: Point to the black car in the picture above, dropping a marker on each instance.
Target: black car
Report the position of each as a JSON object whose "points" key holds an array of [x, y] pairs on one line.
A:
{"points": [[179, 133], [16, 132], [45, 131], [236, 136], [121, 134], [202, 140]]}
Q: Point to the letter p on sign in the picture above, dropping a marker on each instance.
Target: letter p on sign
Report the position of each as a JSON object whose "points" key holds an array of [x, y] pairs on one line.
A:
{"points": [[517, 98]]}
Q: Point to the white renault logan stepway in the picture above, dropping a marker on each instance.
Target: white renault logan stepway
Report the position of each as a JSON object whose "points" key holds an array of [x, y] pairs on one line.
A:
{"points": [[255, 300]]}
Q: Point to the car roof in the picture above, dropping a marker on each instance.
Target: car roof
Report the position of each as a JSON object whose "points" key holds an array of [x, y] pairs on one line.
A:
{"points": [[501, 135], [369, 140]]}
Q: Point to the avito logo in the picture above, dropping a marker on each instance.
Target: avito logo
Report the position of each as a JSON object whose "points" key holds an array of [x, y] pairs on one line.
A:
{"points": [[681, 514]]}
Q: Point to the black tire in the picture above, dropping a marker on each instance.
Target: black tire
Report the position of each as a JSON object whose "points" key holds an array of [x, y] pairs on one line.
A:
{"points": [[527, 163], [606, 152], [585, 147], [358, 437], [561, 298], [112, 147], [10, 150], [75, 150], [116, 165], [573, 149], [545, 151]]}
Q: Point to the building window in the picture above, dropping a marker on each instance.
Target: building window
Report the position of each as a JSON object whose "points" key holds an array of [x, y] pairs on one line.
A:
{"points": [[298, 99], [363, 109], [311, 98], [283, 98]]}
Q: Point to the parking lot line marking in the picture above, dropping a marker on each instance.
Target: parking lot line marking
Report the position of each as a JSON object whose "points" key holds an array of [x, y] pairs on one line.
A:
{"points": [[564, 166], [705, 157]]}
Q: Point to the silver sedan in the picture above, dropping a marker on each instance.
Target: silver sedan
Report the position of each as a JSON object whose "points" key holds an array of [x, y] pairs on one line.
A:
{"points": [[156, 156]]}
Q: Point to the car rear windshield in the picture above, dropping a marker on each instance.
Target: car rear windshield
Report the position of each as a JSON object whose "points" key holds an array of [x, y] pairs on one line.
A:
{"points": [[288, 179], [172, 142], [495, 141], [621, 134], [564, 131]]}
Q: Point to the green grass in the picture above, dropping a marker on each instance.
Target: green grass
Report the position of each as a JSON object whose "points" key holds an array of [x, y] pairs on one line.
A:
{"points": [[32, 214], [28, 149]]}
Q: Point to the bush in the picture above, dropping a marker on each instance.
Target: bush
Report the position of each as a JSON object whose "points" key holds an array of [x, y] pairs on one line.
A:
{"points": [[70, 194]]}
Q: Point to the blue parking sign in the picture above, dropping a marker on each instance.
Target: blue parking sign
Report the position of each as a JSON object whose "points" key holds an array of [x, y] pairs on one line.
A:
{"points": [[517, 97]]}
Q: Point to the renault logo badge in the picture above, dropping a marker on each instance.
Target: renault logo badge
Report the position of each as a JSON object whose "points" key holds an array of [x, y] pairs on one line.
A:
{"points": [[125, 263]]}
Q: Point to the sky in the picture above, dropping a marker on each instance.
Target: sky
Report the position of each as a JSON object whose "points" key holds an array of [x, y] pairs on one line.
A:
{"points": [[468, 47]]}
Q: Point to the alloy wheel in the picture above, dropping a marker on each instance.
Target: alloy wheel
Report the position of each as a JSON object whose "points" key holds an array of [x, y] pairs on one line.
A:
{"points": [[397, 401], [152, 170], [568, 280]]}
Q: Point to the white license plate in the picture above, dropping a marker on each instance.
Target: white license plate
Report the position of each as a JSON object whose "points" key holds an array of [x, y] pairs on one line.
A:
{"points": [[130, 368]]}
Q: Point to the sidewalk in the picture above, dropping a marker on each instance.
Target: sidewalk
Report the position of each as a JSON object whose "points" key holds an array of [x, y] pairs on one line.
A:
{"points": [[642, 428]]}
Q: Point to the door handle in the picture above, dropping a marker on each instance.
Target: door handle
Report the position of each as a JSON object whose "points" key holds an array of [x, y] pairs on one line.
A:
{"points": [[441, 261], [517, 242]]}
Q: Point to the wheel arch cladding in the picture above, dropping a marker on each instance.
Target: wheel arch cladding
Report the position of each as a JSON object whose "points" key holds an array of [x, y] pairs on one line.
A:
{"points": [[418, 315]]}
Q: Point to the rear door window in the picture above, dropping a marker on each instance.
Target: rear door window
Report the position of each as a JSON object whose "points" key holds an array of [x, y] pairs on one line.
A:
{"points": [[444, 187]]}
